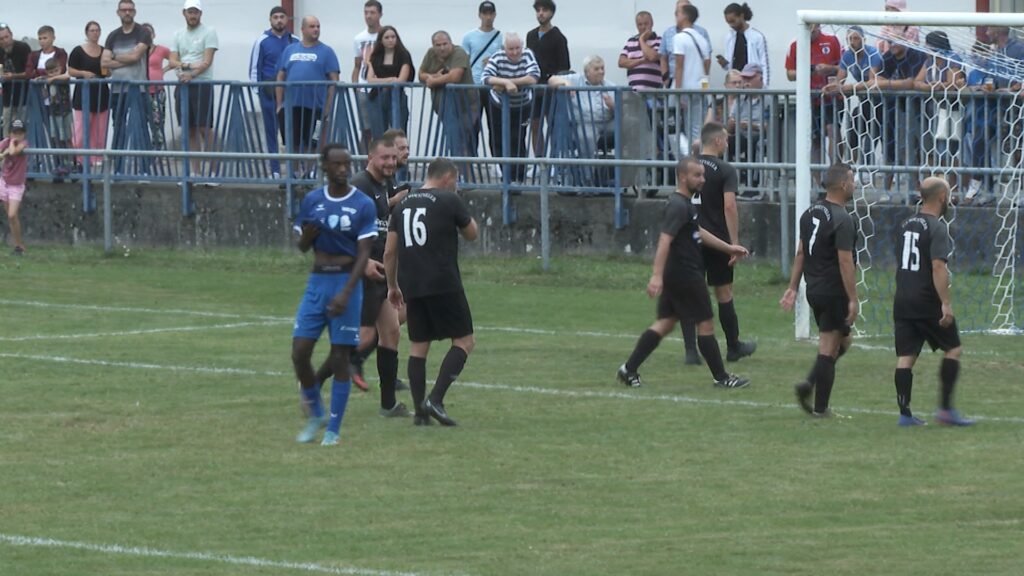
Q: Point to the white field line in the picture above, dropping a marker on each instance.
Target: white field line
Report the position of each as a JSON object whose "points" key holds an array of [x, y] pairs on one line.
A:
{"points": [[598, 394], [145, 552], [140, 332], [123, 309]]}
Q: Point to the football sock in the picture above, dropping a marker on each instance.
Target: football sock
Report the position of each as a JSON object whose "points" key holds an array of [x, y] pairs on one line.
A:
{"points": [[948, 372], [648, 341], [712, 355], [387, 368], [417, 372], [451, 367], [689, 335], [311, 396], [825, 377], [339, 400], [842, 350], [904, 382], [730, 323]]}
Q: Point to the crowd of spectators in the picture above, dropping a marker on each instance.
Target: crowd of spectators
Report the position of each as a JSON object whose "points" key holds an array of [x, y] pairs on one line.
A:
{"points": [[506, 67]]}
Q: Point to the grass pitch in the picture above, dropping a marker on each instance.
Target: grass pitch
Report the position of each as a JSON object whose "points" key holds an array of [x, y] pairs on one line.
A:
{"points": [[148, 414]]}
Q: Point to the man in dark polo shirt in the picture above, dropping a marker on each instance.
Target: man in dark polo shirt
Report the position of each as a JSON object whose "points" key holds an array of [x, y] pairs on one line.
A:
{"points": [[14, 60]]}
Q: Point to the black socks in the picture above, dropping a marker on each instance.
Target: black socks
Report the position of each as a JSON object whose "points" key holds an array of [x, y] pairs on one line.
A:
{"points": [[648, 341], [904, 382], [451, 367], [712, 355]]}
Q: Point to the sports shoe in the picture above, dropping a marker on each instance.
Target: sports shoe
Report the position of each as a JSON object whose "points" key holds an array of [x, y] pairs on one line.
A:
{"points": [[741, 350], [732, 381], [18, 251], [438, 412], [910, 421], [330, 439], [421, 420], [630, 379], [693, 358], [357, 379], [308, 434], [400, 385], [952, 417], [803, 396], [397, 411]]}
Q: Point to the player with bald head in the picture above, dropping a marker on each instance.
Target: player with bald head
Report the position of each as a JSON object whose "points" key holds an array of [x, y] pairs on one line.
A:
{"points": [[922, 308]]}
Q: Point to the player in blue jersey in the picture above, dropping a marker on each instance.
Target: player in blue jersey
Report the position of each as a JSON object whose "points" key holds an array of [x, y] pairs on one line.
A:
{"points": [[340, 224]]}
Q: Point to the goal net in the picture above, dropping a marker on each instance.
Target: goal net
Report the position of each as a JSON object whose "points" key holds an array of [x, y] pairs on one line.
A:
{"points": [[919, 95]]}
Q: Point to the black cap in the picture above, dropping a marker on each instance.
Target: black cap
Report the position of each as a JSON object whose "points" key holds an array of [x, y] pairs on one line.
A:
{"points": [[487, 6], [278, 10], [17, 126]]}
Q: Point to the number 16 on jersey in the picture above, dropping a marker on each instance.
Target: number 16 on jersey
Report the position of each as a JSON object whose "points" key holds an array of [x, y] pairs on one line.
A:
{"points": [[414, 226]]}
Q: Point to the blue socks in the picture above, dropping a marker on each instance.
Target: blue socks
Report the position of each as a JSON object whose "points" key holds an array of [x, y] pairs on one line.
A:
{"points": [[312, 398], [339, 399]]}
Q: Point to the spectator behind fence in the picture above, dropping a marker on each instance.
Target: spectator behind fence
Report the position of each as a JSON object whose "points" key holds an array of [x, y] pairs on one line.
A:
{"points": [[902, 123], [892, 32], [480, 44], [510, 73], [980, 123], [668, 62], [158, 55], [857, 69], [746, 123], [14, 56], [593, 111], [825, 55], [125, 54], [38, 59], [85, 63], [38, 71], [551, 49], [192, 55], [942, 77], [308, 106], [362, 46], [693, 61], [723, 105], [390, 63], [1012, 50], [445, 64], [744, 44], [263, 64], [58, 92], [639, 57]]}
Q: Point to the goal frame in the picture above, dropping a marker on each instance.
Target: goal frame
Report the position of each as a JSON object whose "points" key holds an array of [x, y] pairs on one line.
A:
{"points": [[805, 20]]}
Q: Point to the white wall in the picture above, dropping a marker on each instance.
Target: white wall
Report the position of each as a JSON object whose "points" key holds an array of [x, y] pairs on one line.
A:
{"points": [[592, 26]]}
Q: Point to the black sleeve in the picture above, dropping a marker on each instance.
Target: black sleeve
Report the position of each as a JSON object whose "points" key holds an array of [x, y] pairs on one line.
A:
{"points": [[942, 244], [461, 212], [566, 63], [732, 181], [846, 236], [74, 60], [676, 216]]}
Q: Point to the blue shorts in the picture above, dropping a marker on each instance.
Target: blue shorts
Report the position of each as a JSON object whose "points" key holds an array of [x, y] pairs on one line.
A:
{"points": [[312, 315]]}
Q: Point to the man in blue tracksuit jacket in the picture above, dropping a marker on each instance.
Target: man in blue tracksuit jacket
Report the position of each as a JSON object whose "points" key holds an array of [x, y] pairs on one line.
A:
{"points": [[263, 68]]}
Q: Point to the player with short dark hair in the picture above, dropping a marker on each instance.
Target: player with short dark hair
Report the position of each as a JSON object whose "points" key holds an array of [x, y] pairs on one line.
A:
{"points": [[678, 280], [421, 262], [718, 214], [339, 224], [825, 255], [922, 310]]}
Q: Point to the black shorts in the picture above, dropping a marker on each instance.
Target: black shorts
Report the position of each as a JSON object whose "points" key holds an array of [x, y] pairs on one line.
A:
{"points": [[374, 295], [438, 317], [200, 105], [830, 312], [716, 263], [911, 334], [688, 301]]}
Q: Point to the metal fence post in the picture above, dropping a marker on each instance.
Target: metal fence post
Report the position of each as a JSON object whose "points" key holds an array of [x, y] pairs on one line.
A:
{"points": [[545, 216], [108, 212]]}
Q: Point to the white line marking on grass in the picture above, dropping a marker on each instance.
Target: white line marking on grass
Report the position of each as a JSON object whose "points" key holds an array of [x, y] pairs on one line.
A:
{"points": [[15, 540], [126, 309], [140, 332], [637, 396]]}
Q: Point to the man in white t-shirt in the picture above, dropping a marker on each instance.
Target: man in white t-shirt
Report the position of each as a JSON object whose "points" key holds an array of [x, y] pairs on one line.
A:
{"points": [[692, 55], [362, 46]]}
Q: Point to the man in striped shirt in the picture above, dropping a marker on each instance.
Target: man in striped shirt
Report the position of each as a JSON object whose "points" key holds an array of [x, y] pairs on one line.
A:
{"points": [[640, 55], [510, 73]]}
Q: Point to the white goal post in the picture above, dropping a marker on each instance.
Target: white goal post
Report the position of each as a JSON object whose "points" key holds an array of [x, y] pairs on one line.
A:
{"points": [[804, 123]]}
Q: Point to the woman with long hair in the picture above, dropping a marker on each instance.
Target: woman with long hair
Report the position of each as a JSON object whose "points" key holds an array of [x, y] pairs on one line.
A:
{"points": [[84, 63], [159, 64], [390, 63]]}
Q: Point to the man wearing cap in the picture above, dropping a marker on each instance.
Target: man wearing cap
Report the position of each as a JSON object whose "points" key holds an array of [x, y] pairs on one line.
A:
{"points": [[891, 32], [746, 119], [192, 55], [266, 53], [551, 49], [14, 60], [480, 44], [900, 65]]}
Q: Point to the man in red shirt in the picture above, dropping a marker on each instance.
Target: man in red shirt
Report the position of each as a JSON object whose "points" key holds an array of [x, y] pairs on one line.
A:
{"points": [[825, 55]]}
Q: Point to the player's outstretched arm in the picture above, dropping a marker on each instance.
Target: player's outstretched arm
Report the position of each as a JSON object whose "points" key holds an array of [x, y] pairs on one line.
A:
{"points": [[736, 251], [788, 300]]}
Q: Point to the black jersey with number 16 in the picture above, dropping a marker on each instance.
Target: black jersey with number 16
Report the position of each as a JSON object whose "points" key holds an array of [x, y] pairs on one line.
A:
{"points": [[428, 223], [923, 239], [825, 229]]}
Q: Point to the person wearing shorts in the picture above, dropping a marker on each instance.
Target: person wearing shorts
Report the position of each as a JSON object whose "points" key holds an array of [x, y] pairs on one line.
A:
{"points": [[678, 281], [922, 308], [825, 257], [192, 55], [12, 179], [421, 263], [339, 223]]}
